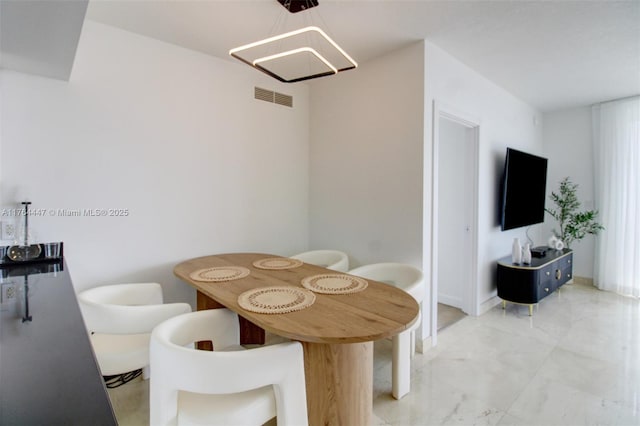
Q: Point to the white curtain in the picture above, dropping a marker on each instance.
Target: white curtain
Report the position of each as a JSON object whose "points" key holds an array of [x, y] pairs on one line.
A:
{"points": [[616, 138]]}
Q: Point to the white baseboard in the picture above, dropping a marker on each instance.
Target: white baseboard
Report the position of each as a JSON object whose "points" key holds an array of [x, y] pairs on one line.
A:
{"points": [[423, 345], [450, 300], [581, 280], [489, 304]]}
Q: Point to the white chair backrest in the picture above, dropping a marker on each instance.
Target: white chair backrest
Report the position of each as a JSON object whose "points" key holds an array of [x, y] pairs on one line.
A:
{"points": [[407, 277], [126, 308], [330, 259], [178, 367]]}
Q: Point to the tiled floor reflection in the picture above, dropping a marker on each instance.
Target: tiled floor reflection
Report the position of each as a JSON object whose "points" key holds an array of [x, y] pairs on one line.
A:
{"points": [[575, 362], [448, 315]]}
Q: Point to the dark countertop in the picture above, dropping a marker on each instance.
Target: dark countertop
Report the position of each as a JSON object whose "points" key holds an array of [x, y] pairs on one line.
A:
{"points": [[48, 372]]}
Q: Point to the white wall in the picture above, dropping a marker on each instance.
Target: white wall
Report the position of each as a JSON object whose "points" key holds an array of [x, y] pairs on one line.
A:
{"points": [[366, 160], [568, 145], [172, 135], [505, 121]]}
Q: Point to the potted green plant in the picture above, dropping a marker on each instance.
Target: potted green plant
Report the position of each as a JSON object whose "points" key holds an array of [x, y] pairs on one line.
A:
{"points": [[574, 224]]}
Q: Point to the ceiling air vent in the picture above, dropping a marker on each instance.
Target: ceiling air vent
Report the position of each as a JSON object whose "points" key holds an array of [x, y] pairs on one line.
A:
{"points": [[281, 99], [263, 94], [273, 97]]}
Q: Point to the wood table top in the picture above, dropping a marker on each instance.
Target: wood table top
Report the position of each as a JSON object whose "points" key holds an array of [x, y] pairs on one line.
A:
{"points": [[377, 312]]}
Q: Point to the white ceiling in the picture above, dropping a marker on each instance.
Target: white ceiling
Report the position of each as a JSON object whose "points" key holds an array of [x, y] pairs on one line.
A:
{"points": [[552, 54], [40, 36]]}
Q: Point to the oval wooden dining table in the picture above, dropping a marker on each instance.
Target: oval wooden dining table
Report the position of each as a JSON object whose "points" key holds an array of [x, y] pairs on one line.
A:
{"points": [[337, 331]]}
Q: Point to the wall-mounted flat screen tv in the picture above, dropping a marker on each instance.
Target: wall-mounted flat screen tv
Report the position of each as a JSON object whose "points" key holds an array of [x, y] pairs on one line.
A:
{"points": [[523, 190]]}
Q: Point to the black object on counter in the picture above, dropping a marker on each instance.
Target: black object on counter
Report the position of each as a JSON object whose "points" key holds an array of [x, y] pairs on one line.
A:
{"points": [[31, 254]]}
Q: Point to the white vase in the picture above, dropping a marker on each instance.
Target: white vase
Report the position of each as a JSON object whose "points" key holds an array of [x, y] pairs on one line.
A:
{"points": [[552, 242], [559, 245], [516, 251], [526, 254]]}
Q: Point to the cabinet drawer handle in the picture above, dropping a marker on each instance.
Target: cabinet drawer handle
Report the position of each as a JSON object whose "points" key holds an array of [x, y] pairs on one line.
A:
{"points": [[548, 273], [546, 289], [569, 260], [558, 274]]}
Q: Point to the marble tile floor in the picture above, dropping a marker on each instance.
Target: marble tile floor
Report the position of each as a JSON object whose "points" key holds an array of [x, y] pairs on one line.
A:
{"points": [[575, 362], [448, 315]]}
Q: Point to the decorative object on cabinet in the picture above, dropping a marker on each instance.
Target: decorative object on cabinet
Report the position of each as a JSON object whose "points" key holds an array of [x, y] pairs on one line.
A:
{"points": [[526, 254], [516, 251], [574, 224], [528, 284], [540, 251]]}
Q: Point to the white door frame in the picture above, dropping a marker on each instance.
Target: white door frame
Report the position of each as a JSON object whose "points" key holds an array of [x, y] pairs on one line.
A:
{"points": [[441, 110]]}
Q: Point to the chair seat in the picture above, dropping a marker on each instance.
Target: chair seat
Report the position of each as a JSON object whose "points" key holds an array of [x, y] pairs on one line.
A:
{"points": [[221, 387], [120, 318], [256, 406], [118, 353]]}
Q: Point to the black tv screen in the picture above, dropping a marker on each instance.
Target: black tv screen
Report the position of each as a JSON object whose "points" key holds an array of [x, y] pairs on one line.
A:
{"points": [[523, 190]]}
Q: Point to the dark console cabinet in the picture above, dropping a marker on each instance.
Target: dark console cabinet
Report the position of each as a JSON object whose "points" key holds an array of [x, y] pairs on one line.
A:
{"points": [[528, 284]]}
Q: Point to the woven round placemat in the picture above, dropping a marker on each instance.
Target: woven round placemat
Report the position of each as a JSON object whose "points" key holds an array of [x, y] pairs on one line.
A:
{"points": [[276, 263], [219, 274], [276, 300], [334, 283]]}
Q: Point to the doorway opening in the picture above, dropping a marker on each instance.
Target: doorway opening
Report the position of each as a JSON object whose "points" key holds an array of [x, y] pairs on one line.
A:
{"points": [[455, 215]]}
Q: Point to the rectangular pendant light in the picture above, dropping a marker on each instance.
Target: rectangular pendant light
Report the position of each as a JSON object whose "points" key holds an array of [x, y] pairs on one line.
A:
{"points": [[295, 6], [296, 55]]}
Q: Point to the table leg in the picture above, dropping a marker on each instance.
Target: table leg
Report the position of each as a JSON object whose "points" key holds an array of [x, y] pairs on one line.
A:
{"points": [[401, 365], [339, 381], [249, 332]]}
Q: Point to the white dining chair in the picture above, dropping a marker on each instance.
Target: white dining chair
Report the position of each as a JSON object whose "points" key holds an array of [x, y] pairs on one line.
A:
{"points": [[119, 319], [409, 279], [222, 387], [331, 259]]}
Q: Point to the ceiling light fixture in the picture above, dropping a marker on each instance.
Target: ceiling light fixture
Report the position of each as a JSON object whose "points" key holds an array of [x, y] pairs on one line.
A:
{"points": [[296, 55]]}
